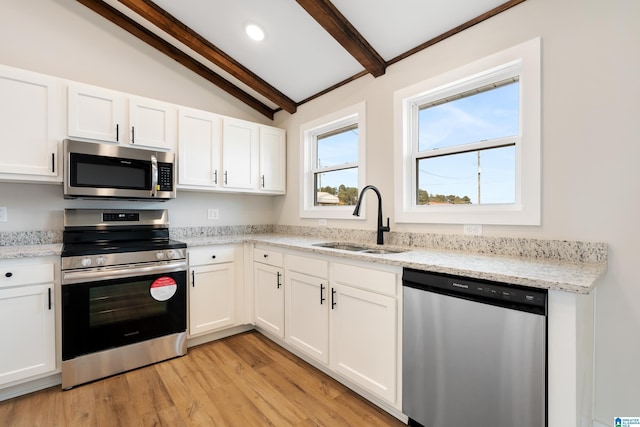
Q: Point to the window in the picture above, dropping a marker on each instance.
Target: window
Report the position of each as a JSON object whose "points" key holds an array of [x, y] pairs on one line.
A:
{"points": [[468, 143], [333, 164]]}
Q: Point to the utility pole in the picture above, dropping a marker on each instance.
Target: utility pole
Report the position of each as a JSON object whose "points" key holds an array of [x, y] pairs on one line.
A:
{"points": [[479, 172]]}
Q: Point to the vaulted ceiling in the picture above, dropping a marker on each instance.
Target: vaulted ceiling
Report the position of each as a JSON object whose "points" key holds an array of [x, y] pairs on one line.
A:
{"points": [[310, 46]]}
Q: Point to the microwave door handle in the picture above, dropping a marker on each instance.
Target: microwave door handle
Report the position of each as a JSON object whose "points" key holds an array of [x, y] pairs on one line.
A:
{"points": [[154, 175]]}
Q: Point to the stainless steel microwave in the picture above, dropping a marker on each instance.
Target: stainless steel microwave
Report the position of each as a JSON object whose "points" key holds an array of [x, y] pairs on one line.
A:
{"points": [[104, 171]]}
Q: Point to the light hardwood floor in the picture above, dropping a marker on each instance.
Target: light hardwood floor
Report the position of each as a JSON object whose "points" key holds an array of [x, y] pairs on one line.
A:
{"points": [[244, 380]]}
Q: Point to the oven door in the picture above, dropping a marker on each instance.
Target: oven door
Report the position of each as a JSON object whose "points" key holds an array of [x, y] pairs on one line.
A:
{"points": [[117, 308]]}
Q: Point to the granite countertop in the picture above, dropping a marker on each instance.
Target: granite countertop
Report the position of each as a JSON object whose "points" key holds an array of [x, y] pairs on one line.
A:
{"points": [[576, 277], [568, 276]]}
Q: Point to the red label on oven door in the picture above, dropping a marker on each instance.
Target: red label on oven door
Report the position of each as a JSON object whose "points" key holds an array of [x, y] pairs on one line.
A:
{"points": [[163, 288]]}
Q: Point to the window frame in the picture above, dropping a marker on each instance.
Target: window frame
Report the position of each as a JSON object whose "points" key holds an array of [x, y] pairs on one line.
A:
{"points": [[522, 61], [353, 115]]}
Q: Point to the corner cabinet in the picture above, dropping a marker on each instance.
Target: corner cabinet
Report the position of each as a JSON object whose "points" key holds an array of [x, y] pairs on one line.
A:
{"points": [[269, 290], [212, 288], [105, 115], [30, 126], [218, 153], [27, 321]]}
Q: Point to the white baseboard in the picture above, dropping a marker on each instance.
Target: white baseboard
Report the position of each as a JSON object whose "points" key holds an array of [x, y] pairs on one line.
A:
{"points": [[30, 387]]}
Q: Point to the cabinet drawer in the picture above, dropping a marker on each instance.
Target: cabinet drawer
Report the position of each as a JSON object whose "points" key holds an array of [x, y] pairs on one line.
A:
{"points": [[266, 256], [383, 282], [211, 255], [309, 266], [25, 274]]}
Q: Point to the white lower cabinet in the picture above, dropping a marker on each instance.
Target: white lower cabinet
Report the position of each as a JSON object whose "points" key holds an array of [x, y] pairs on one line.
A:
{"points": [[346, 316], [27, 321], [307, 306], [212, 289], [269, 290]]}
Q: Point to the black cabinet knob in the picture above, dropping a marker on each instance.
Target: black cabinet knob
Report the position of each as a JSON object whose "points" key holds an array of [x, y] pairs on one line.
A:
{"points": [[8, 274]]}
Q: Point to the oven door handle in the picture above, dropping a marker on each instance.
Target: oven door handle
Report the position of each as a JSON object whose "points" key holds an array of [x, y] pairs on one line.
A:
{"points": [[94, 275]]}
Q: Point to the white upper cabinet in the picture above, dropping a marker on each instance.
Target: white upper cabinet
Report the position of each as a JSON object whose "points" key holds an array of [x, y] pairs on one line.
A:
{"points": [[152, 123], [272, 159], [109, 116], [240, 154], [30, 126], [199, 134], [96, 113]]}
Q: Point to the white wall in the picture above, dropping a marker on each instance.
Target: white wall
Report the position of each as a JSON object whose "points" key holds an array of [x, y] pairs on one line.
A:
{"points": [[590, 154], [65, 39], [40, 206]]}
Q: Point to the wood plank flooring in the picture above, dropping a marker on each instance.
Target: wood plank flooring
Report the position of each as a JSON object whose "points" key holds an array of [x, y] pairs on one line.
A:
{"points": [[244, 380]]}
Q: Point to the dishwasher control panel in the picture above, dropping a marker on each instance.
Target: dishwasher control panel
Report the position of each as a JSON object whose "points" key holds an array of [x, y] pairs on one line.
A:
{"points": [[502, 294]]}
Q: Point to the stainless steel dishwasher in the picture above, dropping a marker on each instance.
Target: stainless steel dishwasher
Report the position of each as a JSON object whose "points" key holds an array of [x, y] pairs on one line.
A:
{"points": [[473, 353]]}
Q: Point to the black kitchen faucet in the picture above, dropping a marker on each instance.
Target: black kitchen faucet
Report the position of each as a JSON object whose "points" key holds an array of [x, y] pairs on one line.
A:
{"points": [[381, 228]]}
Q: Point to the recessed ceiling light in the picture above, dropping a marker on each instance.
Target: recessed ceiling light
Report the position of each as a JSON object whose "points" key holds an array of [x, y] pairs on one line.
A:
{"points": [[254, 32]]}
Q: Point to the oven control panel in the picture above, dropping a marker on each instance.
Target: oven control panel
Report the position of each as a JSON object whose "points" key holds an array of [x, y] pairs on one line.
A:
{"points": [[125, 258]]}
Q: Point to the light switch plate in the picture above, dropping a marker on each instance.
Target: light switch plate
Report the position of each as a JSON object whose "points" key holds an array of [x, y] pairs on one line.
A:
{"points": [[213, 214], [3, 214]]}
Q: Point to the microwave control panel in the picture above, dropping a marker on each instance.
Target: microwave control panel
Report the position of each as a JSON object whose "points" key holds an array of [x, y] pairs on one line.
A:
{"points": [[165, 177]]}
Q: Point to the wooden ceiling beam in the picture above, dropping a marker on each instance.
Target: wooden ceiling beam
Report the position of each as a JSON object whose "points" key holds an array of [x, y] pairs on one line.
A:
{"points": [[168, 49], [185, 35], [330, 18]]}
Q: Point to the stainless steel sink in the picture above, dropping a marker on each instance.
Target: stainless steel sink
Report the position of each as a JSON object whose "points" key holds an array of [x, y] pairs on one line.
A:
{"points": [[382, 251], [357, 248], [342, 246]]}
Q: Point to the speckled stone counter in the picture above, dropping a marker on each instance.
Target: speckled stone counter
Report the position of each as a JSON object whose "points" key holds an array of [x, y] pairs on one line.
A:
{"points": [[549, 264]]}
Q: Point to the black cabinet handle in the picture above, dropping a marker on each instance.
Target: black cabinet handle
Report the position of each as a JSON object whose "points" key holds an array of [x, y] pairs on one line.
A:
{"points": [[133, 134], [117, 132], [215, 176], [333, 295], [322, 298], [278, 276], [266, 255], [49, 295], [262, 181], [213, 256], [53, 162], [8, 274], [193, 279]]}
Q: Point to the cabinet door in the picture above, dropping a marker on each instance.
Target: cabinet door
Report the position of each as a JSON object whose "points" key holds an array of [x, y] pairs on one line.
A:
{"points": [[29, 125], [198, 148], [363, 339], [272, 159], [27, 332], [307, 315], [211, 298], [240, 154], [269, 298], [96, 113], [152, 123]]}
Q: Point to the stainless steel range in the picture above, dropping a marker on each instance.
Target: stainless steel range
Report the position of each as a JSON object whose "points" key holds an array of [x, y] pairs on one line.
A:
{"points": [[124, 293]]}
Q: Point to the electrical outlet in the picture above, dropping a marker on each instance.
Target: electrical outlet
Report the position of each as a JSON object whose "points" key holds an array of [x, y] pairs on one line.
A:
{"points": [[473, 229], [322, 222], [3, 214], [213, 214]]}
